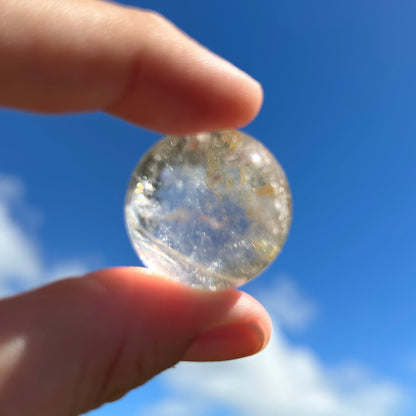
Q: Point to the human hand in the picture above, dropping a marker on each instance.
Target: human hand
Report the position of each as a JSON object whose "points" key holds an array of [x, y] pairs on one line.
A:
{"points": [[75, 344]]}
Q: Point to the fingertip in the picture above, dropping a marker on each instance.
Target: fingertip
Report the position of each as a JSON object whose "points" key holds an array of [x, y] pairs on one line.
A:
{"points": [[227, 97], [231, 101], [248, 99], [210, 326], [178, 86]]}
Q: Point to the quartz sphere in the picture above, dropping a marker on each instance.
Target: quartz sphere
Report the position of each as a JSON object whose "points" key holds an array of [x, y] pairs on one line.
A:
{"points": [[210, 210]]}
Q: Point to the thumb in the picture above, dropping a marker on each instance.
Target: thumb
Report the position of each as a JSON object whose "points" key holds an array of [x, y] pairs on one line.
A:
{"points": [[75, 344]]}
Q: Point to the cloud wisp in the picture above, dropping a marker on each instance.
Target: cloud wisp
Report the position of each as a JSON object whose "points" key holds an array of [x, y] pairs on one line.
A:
{"points": [[21, 263], [289, 307]]}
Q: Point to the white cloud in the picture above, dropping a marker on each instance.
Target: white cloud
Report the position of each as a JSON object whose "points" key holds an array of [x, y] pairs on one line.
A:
{"points": [[283, 380], [287, 304], [21, 265]]}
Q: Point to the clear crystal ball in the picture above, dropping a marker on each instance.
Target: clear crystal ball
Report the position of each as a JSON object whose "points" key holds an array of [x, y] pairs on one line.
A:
{"points": [[210, 210]]}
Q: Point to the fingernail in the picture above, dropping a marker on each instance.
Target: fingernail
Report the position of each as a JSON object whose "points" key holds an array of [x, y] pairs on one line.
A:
{"points": [[226, 343]]}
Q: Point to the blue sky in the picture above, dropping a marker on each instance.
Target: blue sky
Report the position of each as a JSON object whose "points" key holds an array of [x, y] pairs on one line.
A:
{"points": [[339, 114]]}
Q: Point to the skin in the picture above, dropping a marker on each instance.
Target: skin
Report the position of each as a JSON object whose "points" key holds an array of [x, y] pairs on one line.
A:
{"points": [[73, 345]]}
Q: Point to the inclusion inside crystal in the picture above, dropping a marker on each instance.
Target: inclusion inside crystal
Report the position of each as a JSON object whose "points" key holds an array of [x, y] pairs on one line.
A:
{"points": [[210, 210]]}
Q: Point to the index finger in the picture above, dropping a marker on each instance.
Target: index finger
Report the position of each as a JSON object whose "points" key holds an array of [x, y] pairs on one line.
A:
{"points": [[82, 55]]}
